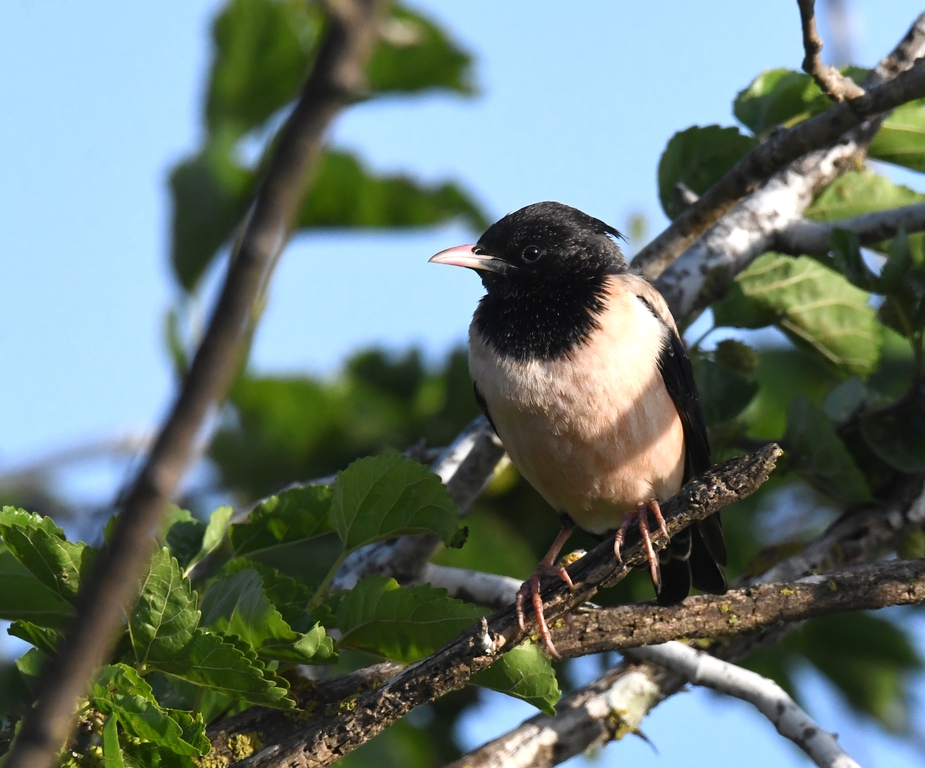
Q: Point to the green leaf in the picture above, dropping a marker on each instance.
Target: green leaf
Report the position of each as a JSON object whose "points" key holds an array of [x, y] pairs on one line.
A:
{"points": [[120, 692], [46, 640], [229, 665], [213, 535], [112, 754], [182, 533], [39, 545], [698, 158], [416, 55], [237, 604], [165, 616], [724, 393], [382, 497], [290, 597], [901, 138], [897, 435], [847, 258], [815, 452], [859, 192], [814, 306], [262, 53], [347, 194], [402, 623], [210, 194], [293, 515], [525, 673], [24, 597], [778, 97]]}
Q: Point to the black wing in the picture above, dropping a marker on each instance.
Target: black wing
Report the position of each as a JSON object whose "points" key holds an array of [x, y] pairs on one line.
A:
{"points": [[695, 556]]}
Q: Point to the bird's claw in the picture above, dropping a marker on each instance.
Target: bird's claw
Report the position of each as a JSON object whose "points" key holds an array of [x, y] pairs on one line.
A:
{"points": [[641, 517], [531, 587]]}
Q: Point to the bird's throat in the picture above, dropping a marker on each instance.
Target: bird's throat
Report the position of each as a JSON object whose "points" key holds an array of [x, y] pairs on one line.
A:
{"points": [[540, 322]]}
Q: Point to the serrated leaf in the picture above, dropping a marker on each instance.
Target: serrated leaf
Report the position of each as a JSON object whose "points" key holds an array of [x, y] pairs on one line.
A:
{"points": [[120, 692], [237, 604], [814, 306], [347, 194], [816, 452], [182, 533], [381, 497], [166, 615], [212, 536], [698, 158], [901, 138], [112, 753], [24, 597], [41, 548], [46, 640], [289, 596], [229, 665], [293, 515], [19, 518], [401, 623], [414, 55], [525, 673]]}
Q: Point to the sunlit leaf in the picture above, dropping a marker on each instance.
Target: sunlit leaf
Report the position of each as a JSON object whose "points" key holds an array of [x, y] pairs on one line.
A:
{"points": [[901, 138], [698, 158], [402, 623], [525, 673]]}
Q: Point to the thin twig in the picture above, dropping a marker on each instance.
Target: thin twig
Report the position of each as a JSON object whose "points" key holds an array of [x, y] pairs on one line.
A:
{"points": [[766, 695], [336, 78], [834, 84], [813, 237]]}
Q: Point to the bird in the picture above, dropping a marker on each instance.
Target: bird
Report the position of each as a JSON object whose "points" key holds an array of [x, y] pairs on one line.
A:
{"points": [[579, 368]]}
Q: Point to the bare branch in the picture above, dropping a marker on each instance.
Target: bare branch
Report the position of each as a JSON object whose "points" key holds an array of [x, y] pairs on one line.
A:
{"points": [[833, 83], [766, 695], [319, 742], [337, 76], [761, 163], [488, 589], [745, 611], [813, 237]]}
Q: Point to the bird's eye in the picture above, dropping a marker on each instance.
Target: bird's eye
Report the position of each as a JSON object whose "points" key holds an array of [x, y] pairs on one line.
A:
{"points": [[530, 254]]}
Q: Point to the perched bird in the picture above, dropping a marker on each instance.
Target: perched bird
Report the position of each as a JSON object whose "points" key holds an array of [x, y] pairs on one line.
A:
{"points": [[578, 365]]}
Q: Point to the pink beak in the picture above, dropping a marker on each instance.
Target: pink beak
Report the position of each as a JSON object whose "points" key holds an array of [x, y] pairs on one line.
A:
{"points": [[470, 256]]}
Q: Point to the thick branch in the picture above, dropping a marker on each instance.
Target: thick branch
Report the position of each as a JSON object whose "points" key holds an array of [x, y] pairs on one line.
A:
{"points": [[335, 79], [321, 741], [784, 147], [813, 238], [766, 695], [833, 83]]}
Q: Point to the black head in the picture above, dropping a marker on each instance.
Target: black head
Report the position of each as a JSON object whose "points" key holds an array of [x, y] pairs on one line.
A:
{"points": [[544, 268]]}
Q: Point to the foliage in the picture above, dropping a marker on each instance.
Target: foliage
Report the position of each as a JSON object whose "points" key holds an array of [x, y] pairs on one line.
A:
{"points": [[227, 611]]}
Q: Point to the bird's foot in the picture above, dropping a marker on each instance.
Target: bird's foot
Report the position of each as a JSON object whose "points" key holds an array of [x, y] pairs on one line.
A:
{"points": [[531, 588], [641, 516]]}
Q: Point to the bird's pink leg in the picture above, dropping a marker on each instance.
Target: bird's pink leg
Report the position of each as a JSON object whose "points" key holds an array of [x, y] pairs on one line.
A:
{"points": [[640, 516], [531, 587]]}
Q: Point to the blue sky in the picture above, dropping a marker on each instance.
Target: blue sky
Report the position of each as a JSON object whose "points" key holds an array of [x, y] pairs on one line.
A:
{"points": [[576, 104]]}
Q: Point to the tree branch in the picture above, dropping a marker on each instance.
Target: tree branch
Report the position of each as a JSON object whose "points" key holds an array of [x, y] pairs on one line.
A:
{"points": [[760, 164], [833, 83], [766, 695], [813, 238], [318, 741], [336, 78]]}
